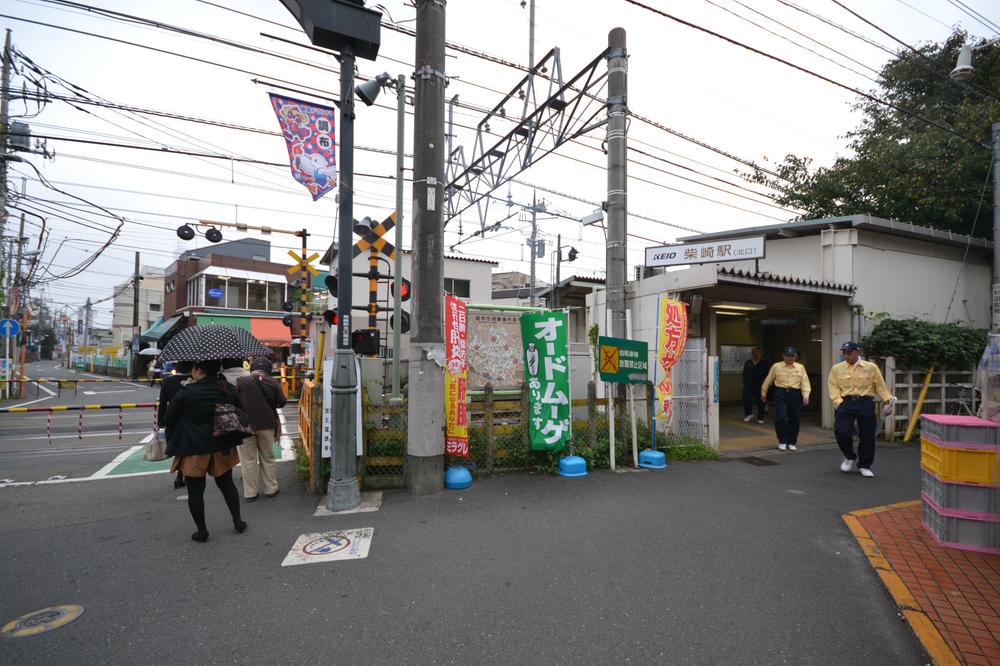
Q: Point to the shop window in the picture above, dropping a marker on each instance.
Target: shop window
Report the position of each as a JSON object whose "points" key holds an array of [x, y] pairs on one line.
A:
{"points": [[214, 293], [154, 307], [236, 294], [275, 295], [456, 287], [257, 295]]}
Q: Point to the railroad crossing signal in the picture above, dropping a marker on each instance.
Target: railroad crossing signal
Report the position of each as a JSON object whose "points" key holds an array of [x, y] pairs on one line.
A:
{"points": [[301, 262], [372, 236]]}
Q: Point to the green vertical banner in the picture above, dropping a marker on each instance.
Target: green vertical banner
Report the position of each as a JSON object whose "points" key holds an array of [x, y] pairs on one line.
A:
{"points": [[546, 369]]}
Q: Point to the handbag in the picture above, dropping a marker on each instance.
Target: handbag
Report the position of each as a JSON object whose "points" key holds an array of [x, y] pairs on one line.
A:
{"points": [[156, 448], [230, 423]]}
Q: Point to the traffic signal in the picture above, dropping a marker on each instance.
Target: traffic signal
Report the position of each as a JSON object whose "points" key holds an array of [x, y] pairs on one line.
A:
{"points": [[185, 232], [331, 283], [288, 321], [404, 289], [331, 318], [288, 306], [572, 254], [404, 318], [366, 341]]}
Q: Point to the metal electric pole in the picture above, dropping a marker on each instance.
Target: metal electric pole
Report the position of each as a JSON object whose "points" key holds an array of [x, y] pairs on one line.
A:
{"points": [[617, 184], [136, 279], [4, 130], [534, 248], [398, 263], [425, 425]]}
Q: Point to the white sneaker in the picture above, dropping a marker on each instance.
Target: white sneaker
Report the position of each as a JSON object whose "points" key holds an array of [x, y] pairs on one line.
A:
{"points": [[848, 465], [748, 418], [782, 447], [792, 447], [760, 420], [867, 473]]}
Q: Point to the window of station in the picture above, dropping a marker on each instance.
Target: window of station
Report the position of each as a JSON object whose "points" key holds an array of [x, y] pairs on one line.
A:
{"points": [[257, 295], [236, 294], [456, 287]]}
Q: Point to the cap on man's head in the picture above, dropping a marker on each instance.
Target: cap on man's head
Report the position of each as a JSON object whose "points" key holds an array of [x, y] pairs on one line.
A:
{"points": [[790, 351], [850, 345]]}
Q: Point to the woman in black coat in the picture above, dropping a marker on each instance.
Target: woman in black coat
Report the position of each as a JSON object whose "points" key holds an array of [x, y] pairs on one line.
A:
{"points": [[169, 387], [189, 423]]}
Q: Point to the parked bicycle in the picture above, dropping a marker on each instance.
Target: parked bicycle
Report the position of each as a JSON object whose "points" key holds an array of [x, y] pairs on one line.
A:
{"points": [[970, 401]]}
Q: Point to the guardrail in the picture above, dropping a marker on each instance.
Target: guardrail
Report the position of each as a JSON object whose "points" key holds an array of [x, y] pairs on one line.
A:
{"points": [[121, 407], [310, 430]]}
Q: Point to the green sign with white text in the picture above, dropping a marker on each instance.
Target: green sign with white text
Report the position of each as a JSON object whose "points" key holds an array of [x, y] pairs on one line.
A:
{"points": [[623, 361]]}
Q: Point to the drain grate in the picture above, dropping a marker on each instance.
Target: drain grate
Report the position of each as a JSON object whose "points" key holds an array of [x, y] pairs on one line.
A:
{"points": [[757, 462]]}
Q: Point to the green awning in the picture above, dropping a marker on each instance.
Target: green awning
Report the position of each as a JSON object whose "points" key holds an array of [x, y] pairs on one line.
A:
{"points": [[161, 328], [238, 322]]}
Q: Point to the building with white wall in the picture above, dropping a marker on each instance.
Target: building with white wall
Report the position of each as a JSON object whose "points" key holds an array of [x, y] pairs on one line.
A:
{"points": [[150, 305], [817, 285]]}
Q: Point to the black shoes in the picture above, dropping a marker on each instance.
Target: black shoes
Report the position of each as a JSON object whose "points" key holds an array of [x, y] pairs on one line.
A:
{"points": [[200, 536], [240, 527]]}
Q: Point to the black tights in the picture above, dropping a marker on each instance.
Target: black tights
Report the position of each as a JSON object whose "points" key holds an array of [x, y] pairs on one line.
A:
{"points": [[196, 498]]}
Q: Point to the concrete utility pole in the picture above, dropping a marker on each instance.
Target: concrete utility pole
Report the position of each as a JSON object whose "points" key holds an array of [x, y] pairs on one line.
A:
{"points": [[4, 136], [617, 254], [555, 288], [136, 279], [343, 491], [86, 323], [996, 228], [425, 425]]}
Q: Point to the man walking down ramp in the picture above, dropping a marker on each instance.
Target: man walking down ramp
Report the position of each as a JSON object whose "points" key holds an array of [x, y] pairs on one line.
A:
{"points": [[791, 393], [853, 385]]}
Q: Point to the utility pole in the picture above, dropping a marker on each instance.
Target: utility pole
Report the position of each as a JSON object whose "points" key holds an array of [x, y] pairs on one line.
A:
{"points": [[425, 425], [4, 130], [342, 490], [555, 287], [395, 398], [617, 254], [86, 323], [16, 281], [534, 244], [136, 279]]}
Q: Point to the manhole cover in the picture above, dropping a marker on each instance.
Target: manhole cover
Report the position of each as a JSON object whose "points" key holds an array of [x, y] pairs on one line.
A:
{"points": [[40, 621], [757, 462]]}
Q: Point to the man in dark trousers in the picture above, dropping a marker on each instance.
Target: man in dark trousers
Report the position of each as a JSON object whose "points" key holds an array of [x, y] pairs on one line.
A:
{"points": [[853, 386], [754, 372], [791, 393], [169, 387]]}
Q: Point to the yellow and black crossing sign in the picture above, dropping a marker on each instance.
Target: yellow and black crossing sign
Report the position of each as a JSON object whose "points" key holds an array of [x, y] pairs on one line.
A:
{"points": [[372, 237], [303, 262]]}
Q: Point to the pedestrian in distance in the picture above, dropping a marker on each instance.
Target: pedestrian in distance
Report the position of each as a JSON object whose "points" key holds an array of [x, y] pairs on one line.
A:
{"points": [[791, 394], [190, 421], [262, 397], [853, 386], [169, 387], [233, 369], [754, 372]]}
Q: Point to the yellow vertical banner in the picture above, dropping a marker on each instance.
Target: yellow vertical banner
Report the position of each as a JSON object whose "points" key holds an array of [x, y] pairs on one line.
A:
{"points": [[456, 440], [671, 336]]}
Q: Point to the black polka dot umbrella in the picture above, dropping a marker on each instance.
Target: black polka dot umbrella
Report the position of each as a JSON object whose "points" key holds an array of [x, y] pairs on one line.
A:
{"points": [[211, 342]]}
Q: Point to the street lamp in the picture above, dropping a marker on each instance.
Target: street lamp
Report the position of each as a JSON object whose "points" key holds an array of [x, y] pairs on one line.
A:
{"points": [[348, 27], [367, 92], [963, 72]]}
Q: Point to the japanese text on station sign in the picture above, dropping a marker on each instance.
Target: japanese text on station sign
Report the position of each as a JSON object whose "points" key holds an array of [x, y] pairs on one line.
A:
{"points": [[546, 370]]}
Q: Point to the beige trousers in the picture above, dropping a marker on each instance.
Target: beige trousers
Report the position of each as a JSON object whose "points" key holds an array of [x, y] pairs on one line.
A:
{"points": [[262, 445]]}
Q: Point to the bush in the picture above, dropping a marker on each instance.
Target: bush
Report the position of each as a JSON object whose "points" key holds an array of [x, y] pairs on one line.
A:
{"points": [[919, 344]]}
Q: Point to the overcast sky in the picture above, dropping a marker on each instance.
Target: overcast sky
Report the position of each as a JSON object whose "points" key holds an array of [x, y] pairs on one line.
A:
{"points": [[720, 95]]}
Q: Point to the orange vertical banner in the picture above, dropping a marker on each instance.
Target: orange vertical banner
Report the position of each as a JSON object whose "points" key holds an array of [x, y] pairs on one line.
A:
{"points": [[456, 441], [671, 336]]}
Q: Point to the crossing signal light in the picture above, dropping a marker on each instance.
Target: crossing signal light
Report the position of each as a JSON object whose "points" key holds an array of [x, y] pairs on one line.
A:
{"points": [[366, 341], [404, 289], [331, 283], [287, 306], [288, 321], [331, 318], [572, 254], [404, 319]]}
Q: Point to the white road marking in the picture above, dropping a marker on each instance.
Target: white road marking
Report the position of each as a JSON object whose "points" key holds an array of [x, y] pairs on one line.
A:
{"points": [[112, 391], [86, 434], [31, 402], [44, 388], [121, 457]]}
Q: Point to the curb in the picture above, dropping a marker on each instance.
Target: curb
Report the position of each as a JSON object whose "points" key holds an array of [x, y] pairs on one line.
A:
{"points": [[930, 638]]}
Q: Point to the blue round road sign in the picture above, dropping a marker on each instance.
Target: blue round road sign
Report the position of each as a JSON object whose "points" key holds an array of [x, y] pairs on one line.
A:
{"points": [[9, 328]]}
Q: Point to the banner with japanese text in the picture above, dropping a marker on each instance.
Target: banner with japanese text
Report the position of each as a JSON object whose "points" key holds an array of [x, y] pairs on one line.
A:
{"points": [[546, 370], [311, 140], [671, 336], [456, 439]]}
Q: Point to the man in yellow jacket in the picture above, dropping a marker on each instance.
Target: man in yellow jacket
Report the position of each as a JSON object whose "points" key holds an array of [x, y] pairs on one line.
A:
{"points": [[791, 393], [853, 386]]}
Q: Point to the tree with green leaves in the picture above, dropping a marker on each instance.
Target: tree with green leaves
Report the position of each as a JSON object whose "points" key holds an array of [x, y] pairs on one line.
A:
{"points": [[924, 157]]}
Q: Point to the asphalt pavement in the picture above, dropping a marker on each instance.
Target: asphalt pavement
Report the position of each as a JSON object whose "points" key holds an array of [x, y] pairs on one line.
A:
{"points": [[701, 563]]}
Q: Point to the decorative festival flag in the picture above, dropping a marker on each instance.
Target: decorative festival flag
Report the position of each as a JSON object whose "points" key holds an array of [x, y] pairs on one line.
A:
{"points": [[456, 439], [546, 369], [309, 134], [671, 336]]}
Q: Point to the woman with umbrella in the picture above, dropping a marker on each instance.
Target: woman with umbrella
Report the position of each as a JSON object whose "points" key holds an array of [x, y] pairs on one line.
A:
{"points": [[197, 432]]}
